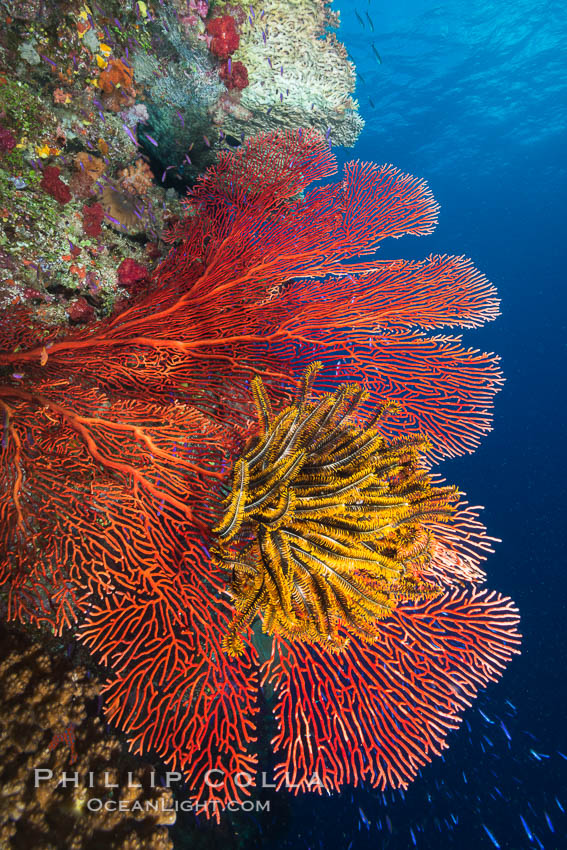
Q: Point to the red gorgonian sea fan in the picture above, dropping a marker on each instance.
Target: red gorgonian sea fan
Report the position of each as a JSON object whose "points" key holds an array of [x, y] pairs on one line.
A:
{"points": [[119, 442]]}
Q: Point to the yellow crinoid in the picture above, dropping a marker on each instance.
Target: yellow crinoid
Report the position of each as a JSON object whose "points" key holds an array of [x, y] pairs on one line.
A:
{"points": [[325, 527]]}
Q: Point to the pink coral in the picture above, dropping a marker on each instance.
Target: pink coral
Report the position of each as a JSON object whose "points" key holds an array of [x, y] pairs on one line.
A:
{"points": [[200, 6]]}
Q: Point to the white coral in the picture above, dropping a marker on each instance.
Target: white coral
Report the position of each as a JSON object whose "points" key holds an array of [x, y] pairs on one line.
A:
{"points": [[299, 75]]}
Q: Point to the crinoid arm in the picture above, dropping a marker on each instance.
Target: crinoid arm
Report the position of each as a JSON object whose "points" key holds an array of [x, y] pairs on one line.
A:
{"points": [[325, 525]]}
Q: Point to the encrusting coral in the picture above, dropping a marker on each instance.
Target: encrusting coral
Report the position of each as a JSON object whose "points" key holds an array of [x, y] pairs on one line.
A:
{"points": [[45, 724], [117, 84], [93, 166]]}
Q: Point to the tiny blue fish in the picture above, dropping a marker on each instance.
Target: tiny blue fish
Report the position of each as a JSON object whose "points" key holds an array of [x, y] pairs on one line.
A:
{"points": [[490, 835], [527, 829]]}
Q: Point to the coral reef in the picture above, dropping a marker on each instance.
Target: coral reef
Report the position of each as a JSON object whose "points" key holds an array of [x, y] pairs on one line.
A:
{"points": [[46, 725], [120, 441], [61, 146], [299, 74]]}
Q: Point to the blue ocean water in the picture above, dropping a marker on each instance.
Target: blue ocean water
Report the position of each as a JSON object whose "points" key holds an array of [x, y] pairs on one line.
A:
{"points": [[472, 97]]}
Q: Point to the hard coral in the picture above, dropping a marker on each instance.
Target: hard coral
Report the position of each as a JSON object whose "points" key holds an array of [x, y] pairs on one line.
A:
{"points": [[302, 75], [46, 724], [117, 85], [54, 186], [234, 75], [225, 38]]}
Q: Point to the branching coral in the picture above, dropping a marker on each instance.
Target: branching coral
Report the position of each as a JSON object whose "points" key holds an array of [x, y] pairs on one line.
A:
{"points": [[119, 441]]}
